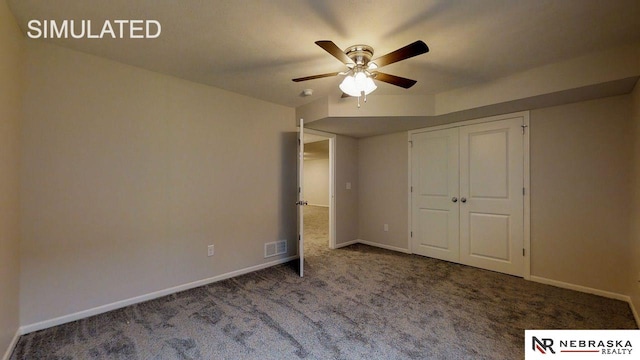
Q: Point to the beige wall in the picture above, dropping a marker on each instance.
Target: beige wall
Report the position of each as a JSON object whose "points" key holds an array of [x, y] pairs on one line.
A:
{"points": [[634, 284], [11, 85], [128, 175], [382, 198], [316, 182], [346, 199], [580, 193]]}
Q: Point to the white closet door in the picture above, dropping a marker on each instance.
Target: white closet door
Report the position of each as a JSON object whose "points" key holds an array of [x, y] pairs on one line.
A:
{"points": [[434, 197], [491, 198]]}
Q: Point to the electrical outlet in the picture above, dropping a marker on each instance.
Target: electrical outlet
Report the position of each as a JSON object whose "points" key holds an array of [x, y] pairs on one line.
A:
{"points": [[210, 250], [386, 227], [348, 186]]}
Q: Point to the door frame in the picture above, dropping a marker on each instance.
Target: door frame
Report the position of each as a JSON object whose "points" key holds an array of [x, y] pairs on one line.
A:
{"points": [[332, 182], [526, 177], [300, 198]]}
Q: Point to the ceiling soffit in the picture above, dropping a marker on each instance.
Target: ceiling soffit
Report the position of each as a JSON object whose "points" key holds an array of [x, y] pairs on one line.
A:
{"points": [[607, 73]]}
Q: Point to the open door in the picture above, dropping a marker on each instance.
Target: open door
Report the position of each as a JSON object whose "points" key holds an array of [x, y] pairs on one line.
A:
{"points": [[301, 203]]}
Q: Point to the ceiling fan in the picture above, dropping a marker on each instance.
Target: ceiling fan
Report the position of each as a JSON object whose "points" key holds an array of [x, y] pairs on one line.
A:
{"points": [[362, 70]]}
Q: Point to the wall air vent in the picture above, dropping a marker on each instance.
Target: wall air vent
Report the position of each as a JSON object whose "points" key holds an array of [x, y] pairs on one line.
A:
{"points": [[275, 248]]}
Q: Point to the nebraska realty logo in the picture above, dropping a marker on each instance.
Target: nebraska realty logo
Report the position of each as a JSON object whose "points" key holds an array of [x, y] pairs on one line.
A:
{"points": [[581, 344]]}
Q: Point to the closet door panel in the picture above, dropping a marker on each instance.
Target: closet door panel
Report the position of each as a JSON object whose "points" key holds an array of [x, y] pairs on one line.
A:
{"points": [[435, 183], [491, 208]]}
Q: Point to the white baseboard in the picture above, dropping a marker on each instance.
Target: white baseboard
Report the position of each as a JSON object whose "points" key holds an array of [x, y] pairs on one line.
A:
{"points": [[324, 206], [384, 246], [580, 288], [346, 244], [635, 313], [374, 244], [588, 290], [142, 298], [12, 345]]}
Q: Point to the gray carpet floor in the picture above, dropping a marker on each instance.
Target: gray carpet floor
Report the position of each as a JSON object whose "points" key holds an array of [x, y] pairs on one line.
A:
{"points": [[357, 302]]}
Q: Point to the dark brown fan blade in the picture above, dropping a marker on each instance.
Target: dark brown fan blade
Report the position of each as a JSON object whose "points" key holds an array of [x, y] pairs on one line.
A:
{"points": [[315, 77], [409, 51], [334, 50], [394, 80]]}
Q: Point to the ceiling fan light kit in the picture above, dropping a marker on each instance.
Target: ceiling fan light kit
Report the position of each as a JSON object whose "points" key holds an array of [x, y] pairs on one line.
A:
{"points": [[355, 85], [359, 77]]}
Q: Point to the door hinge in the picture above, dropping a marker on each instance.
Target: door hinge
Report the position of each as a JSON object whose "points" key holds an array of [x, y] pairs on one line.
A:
{"points": [[298, 237], [524, 127], [522, 251], [299, 189], [298, 141], [410, 143], [412, 234], [523, 191], [412, 189]]}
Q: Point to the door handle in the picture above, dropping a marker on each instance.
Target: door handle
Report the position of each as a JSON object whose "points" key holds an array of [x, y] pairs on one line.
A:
{"points": [[464, 199], [454, 199], [302, 202]]}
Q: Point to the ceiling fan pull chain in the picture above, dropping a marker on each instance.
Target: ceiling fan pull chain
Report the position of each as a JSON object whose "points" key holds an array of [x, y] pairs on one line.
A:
{"points": [[358, 102]]}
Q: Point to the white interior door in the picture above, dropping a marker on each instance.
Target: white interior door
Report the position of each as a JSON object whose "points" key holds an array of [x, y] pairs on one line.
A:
{"points": [[434, 194], [300, 202], [491, 196]]}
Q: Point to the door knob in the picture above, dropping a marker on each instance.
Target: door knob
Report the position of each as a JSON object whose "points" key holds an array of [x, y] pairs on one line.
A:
{"points": [[464, 199], [454, 199]]}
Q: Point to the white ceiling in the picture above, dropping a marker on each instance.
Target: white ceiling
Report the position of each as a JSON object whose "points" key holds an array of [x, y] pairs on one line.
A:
{"points": [[255, 47]]}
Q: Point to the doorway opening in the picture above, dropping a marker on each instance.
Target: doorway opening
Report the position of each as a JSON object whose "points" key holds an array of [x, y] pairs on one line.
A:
{"points": [[318, 190]]}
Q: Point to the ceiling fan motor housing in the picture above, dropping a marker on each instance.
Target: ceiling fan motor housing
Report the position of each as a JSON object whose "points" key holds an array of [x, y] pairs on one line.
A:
{"points": [[360, 54]]}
